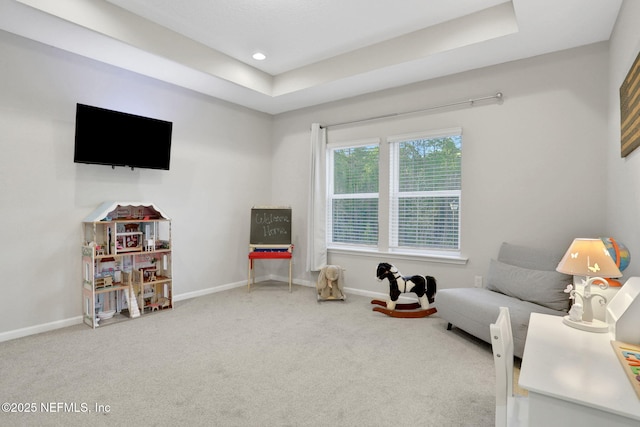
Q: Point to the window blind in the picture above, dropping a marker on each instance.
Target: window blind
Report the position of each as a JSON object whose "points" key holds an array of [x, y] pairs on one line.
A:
{"points": [[353, 193], [425, 191]]}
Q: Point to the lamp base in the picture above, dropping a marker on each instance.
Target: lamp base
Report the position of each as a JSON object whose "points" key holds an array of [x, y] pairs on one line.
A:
{"points": [[593, 326]]}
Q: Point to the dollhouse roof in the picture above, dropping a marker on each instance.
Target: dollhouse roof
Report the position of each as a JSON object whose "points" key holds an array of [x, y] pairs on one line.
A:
{"points": [[114, 209]]}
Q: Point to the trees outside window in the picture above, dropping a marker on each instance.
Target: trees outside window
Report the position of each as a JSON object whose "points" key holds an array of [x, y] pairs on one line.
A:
{"points": [[354, 195], [425, 189], [422, 212]]}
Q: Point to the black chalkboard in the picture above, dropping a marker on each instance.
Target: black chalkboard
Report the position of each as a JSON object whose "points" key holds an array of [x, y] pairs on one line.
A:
{"points": [[270, 226]]}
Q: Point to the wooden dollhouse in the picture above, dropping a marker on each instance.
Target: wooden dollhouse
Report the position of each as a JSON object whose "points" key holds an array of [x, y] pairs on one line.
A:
{"points": [[126, 262]]}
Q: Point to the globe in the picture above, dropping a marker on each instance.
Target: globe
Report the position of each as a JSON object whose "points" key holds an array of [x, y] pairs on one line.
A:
{"points": [[619, 252]]}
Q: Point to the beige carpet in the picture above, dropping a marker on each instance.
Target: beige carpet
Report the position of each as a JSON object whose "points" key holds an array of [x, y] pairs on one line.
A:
{"points": [[264, 358]]}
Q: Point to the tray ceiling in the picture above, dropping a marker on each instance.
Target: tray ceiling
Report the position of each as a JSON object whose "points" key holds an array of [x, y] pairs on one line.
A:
{"points": [[317, 51]]}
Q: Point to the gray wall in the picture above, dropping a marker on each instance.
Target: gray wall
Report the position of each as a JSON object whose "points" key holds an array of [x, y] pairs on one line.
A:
{"points": [[220, 167], [622, 199], [533, 168]]}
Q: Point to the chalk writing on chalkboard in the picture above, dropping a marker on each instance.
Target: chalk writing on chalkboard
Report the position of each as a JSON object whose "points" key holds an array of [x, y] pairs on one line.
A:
{"points": [[270, 226]]}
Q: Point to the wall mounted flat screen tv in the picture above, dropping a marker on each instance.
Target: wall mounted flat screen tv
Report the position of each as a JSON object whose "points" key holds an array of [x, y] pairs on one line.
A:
{"points": [[107, 137]]}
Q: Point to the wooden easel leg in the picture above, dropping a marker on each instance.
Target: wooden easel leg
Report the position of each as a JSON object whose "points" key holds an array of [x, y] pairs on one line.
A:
{"points": [[249, 276], [290, 265]]}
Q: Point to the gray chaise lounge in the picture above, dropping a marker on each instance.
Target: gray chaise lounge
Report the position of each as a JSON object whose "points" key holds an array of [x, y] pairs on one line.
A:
{"points": [[522, 279]]}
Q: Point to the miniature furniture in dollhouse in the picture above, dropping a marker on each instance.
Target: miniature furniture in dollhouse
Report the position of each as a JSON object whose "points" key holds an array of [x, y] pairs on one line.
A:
{"points": [[126, 261]]}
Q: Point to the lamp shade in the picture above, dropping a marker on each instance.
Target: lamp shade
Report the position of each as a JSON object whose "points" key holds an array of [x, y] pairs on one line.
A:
{"points": [[588, 257]]}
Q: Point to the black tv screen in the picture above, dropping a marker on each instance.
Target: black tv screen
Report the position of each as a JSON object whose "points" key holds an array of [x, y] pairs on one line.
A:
{"points": [[108, 137]]}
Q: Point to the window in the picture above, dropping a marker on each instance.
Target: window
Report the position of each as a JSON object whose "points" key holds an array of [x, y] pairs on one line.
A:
{"points": [[421, 213], [425, 183], [353, 194]]}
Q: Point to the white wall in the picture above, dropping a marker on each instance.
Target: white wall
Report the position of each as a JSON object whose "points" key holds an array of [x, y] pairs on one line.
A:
{"points": [[532, 167], [623, 201], [220, 167]]}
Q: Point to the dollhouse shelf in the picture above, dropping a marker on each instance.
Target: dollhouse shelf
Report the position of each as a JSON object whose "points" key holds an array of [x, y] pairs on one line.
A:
{"points": [[115, 287], [126, 261], [269, 252]]}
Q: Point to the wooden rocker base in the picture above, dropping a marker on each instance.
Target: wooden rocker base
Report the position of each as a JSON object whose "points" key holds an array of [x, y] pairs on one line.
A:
{"points": [[399, 310]]}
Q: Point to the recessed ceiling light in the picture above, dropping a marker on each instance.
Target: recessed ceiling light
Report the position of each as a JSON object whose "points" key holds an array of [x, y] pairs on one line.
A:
{"points": [[259, 56]]}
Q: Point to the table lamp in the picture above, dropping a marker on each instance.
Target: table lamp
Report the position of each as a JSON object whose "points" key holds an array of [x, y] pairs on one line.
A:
{"points": [[589, 258]]}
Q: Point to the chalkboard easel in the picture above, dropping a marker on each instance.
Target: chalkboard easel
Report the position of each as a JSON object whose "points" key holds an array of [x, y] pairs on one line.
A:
{"points": [[270, 226], [270, 237]]}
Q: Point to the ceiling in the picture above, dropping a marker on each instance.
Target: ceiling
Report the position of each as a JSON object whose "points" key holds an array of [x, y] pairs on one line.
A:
{"points": [[317, 50]]}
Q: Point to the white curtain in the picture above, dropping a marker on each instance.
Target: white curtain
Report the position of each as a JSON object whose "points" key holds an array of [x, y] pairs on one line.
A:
{"points": [[317, 237]]}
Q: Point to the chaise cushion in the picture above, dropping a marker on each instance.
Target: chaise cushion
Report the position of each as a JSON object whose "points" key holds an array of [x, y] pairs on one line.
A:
{"points": [[531, 258], [540, 287]]}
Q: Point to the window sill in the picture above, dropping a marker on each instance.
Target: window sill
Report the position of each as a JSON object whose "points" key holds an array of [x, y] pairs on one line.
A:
{"points": [[367, 252]]}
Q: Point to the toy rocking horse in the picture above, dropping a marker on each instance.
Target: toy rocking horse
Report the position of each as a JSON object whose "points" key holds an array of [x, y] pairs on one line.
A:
{"points": [[423, 286]]}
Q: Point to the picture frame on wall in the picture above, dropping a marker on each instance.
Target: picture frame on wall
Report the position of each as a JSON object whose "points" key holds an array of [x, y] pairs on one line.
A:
{"points": [[630, 110]]}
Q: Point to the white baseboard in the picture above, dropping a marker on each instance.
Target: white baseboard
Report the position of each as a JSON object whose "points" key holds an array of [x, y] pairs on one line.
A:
{"points": [[45, 327], [213, 290], [37, 329]]}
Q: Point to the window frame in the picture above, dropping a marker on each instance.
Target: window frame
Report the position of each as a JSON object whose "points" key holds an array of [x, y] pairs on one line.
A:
{"points": [[331, 196], [385, 169], [395, 194]]}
